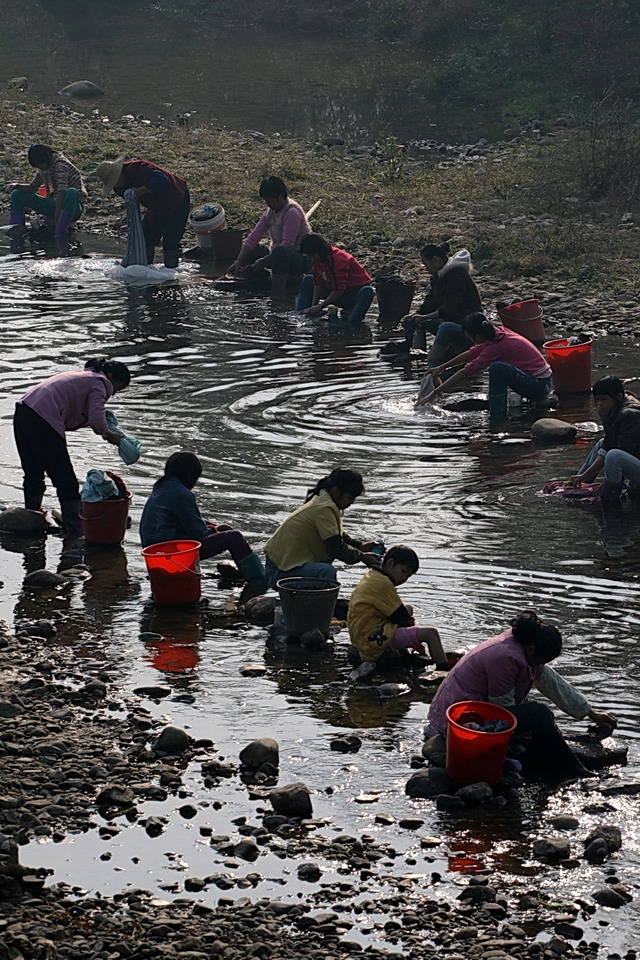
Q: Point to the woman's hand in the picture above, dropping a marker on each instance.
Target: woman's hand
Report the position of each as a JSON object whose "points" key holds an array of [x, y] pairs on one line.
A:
{"points": [[423, 401], [222, 527], [602, 719], [367, 546], [371, 560], [575, 481], [314, 311], [112, 436], [435, 371]]}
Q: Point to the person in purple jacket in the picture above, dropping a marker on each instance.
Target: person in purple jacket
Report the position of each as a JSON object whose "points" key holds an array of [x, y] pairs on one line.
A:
{"points": [[503, 670], [66, 401], [163, 193]]}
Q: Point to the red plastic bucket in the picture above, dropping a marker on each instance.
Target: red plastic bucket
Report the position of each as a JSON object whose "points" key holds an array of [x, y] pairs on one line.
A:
{"points": [[172, 567], [473, 755], [106, 520], [395, 299], [570, 365], [524, 318]]}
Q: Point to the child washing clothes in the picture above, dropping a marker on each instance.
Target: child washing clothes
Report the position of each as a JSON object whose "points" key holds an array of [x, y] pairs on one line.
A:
{"points": [[337, 279], [379, 621], [171, 513]]}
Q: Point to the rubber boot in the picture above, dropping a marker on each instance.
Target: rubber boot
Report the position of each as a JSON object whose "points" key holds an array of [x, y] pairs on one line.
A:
{"points": [[497, 406], [419, 341], [171, 258], [278, 284], [63, 224], [437, 354], [151, 253], [252, 570], [71, 523]]}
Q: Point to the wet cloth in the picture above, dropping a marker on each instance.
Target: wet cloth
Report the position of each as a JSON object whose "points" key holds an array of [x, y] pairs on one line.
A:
{"points": [[497, 671], [302, 537], [453, 293], [287, 227], [171, 513], [136, 244], [588, 492], [341, 272], [70, 401], [129, 447], [509, 348], [372, 603], [98, 486]]}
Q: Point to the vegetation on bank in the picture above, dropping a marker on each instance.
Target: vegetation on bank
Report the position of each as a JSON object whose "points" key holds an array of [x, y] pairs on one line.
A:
{"points": [[548, 208]]}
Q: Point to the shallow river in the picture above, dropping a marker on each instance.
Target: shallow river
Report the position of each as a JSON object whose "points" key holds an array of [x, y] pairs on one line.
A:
{"points": [[270, 403]]}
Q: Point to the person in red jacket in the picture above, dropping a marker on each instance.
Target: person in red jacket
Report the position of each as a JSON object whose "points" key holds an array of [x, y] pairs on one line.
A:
{"points": [[337, 279], [164, 194]]}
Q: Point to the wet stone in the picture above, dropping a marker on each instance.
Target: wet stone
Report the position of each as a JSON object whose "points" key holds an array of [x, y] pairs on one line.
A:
{"points": [[260, 752], [569, 931], [172, 741], [552, 850], [564, 822], [115, 795], [475, 794], [309, 871], [349, 743], [292, 800], [153, 692], [253, 670]]}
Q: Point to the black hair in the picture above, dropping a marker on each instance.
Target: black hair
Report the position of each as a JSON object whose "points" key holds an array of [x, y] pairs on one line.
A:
{"points": [[545, 638], [184, 466], [315, 243], [402, 554], [432, 250], [119, 371], [40, 153], [347, 481], [273, 187], [477, 325], [608, 387]]}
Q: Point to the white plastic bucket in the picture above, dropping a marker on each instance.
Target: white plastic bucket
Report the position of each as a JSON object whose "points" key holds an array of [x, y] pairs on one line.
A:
{"points": [[204, 228]]}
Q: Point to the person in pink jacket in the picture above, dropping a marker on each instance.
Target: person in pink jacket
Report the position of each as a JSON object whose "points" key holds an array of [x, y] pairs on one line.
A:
{"points": [[503, 670], [66, 401], [336, 279], [285, 222], [512, 360]]}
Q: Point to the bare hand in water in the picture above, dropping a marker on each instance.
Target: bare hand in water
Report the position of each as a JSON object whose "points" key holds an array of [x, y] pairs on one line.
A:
{"points": [[575, 481], [602, 719], [423, 401]]}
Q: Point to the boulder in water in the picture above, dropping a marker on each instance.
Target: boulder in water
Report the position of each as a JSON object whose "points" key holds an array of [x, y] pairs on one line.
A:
{"points": [[18, 83], [43, 580], [19, 520], [81, 90], [551, 430]]}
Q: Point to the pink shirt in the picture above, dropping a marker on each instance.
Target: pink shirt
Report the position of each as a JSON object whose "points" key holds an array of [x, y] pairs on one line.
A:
{"points": [[510, 348], [71, 400], [494, 671], [287, 227], [340, 272]]}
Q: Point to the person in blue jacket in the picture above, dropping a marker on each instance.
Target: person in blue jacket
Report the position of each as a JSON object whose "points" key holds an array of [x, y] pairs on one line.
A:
{"points": [[171, 513]]}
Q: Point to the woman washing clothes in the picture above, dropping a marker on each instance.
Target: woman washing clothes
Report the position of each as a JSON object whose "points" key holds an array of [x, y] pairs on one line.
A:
{"points": [[66, 401], [171, 513], [311, 538], [163, 193], [453, 296], [285, 222], [503, 670], [512, 361], [337, 279], [64, 200]]}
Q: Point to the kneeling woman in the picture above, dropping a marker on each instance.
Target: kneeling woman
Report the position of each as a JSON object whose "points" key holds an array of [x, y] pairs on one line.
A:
{"points": [[512, 360], [502, 670], [171, 513], [337, 279], [311, 538]]}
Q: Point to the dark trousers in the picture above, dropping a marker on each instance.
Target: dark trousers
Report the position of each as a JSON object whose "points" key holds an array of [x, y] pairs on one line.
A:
{"points": [[42, 450], [547, 752], [170, 231], [231, 540]]}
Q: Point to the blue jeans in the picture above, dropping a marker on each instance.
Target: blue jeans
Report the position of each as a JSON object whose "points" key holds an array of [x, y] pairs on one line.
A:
{"points": [[355, 301], [503, 375], [618, 465], [317, 571], [284, 260]]}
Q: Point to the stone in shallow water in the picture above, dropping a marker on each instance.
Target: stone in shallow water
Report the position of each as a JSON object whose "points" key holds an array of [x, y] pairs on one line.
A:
{"points": [[44, 580], [21, 521], [552, 430], [259, 752], [598, 754]]}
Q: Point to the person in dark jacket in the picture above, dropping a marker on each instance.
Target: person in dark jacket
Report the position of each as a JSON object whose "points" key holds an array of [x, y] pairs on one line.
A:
{"points": [[171, 513], [452, 297], [619, 450], [164, 194]]}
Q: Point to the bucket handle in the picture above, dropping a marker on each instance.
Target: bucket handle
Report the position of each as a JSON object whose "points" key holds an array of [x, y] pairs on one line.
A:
{"points": [[182, 567]]}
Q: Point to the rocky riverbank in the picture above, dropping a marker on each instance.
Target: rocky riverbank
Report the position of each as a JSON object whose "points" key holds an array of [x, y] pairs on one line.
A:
{"points": [[529, 234], [79, 756]]}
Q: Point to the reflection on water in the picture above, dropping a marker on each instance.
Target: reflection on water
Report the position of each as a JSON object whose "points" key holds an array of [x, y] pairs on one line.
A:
{"points": [[270, 403]]}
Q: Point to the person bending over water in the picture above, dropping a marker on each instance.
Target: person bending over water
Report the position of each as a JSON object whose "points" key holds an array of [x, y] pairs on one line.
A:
{"points": [[337, 279], [171, 513], [452, 297], [66, 401], [286, 224], [503, 670], [512, 360], [619, 450], [311, 538], [378, 620], [64, 200]]}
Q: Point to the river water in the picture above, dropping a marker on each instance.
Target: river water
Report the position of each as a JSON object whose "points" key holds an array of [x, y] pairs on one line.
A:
{"points": [[270, 403]]}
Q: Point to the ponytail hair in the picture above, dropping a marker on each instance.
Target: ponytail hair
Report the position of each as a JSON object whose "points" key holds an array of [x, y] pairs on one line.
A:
{"points": [[40, 153], [119, 371], [314, 243], [347, 481], [546, 640], [432, 250], [477, 325], [184, 466]]}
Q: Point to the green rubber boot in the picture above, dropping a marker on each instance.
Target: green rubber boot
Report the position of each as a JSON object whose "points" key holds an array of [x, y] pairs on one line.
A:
{"points": [[252, 570]]}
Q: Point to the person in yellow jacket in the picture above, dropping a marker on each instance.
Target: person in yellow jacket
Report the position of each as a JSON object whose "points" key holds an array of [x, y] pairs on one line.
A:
{"points": [[378, 620]]}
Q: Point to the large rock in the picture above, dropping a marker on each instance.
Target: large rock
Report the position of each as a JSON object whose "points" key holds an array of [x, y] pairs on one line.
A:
{"points": [[609, 833], [552, 851], [18, 83], [44, 580], [428, 784], [259, 752], [612, 896], [292, 800], [551, 430], [21, 521], [172, 741], [115, 795], [260, 610], [475, 794], [598, 754], [81, 90]]}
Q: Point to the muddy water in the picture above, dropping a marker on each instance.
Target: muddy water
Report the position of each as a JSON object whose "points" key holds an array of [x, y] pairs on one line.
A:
{"points": [[270, 402]]}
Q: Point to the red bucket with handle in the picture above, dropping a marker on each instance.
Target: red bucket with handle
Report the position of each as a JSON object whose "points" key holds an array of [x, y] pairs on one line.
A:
{"points": [[474, 756], [173, 572]]}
